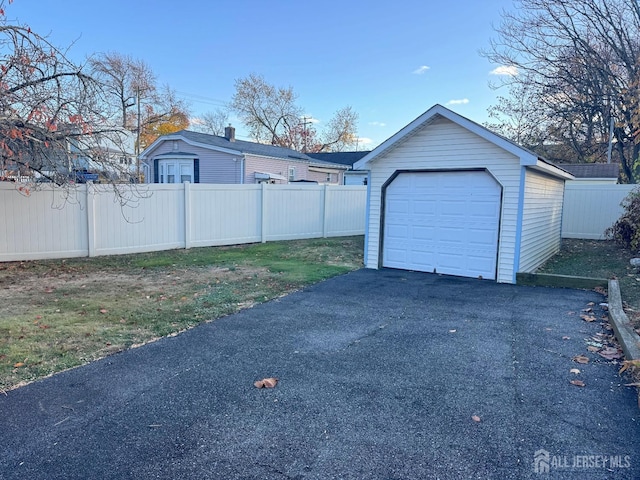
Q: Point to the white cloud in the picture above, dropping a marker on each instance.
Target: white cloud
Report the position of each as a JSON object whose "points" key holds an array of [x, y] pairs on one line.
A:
{"points": [[460, 101], [510, 70], [364, 141], [421, 70], [309, 119], [377, 124]]}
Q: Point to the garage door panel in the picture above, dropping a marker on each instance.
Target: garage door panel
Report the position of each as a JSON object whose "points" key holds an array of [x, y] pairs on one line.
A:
{"points": [[422, 233], [447, 221], [398, 205], [424, 207]]}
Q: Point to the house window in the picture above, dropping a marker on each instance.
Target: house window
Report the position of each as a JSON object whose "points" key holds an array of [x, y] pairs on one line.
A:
{"points": [[175, 171], [328, 177], [171, 173], [186, 173], [292, 174]]}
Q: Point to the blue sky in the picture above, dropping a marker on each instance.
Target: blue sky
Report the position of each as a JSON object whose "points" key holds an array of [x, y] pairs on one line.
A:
{"points": [[390, 61]]}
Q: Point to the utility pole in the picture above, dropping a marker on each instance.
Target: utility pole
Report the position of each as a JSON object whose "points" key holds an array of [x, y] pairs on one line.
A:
{"points": [[304, 132], [138, 137]]}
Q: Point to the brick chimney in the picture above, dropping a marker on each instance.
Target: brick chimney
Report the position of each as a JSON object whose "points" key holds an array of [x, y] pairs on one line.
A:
{"points": [[230, 133]]}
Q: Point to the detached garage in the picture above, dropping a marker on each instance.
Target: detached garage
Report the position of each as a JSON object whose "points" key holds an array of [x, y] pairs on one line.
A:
{"points": [[446, 195]]}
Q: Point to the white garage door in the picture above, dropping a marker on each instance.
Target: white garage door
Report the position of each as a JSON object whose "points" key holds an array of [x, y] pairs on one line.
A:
{"points": [[445, 222]]}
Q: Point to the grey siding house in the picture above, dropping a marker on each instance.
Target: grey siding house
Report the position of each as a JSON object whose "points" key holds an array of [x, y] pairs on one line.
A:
{"points": [[187, 156]]}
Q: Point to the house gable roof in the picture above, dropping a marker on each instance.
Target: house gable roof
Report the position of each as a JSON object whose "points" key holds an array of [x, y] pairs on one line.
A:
{"points": [[222, 144], [343, 158], [527, 157]]}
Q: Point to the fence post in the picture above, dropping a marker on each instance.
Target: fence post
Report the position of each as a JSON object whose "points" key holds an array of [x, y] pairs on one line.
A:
{"points": [[91, 218], [325, 192], [187, 214], [263, 217]]}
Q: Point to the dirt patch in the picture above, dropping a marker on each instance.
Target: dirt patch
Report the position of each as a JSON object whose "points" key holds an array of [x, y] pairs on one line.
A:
{"points": [[22, 290]]}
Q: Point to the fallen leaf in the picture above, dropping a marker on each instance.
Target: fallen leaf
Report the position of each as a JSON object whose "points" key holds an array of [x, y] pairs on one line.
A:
{"points": [[39, 317], [587, 310], [476, 418], [574, 370], [591, 304], [103, 310], [266, 383], [577, 383], [566, 338], [588, 318], [610, 353], [593, 348], [580, 359], [629, 363], [637, 384], [18, 365]]}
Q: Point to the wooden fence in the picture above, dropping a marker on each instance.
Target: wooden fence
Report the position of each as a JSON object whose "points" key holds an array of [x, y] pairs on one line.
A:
{"points": [[89, 220]]}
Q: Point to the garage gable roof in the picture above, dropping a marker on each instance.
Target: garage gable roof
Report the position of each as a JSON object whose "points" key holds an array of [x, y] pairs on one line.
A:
{"points": [[527, 157]]}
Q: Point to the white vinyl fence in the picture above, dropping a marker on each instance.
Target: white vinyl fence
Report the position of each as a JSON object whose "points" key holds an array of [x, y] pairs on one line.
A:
{"points": [[590, 209], [89, 220]]}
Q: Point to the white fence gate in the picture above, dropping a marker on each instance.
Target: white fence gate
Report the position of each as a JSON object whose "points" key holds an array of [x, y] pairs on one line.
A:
{"points": [[89, 219], [590, 209]]}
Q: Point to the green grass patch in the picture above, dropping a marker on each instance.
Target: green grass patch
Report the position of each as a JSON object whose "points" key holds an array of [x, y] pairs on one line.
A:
{"points": [[597, 259], [59, 314]]}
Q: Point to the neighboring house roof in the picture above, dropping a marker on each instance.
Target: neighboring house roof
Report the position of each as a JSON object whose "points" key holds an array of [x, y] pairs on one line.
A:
{"points": [[343, 158], [592, 170], [242, 146], [237, 147], [527, 157]]}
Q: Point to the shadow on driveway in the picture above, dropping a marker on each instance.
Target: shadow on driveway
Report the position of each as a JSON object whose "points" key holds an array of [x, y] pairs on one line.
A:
{"points": [[380, 374]]}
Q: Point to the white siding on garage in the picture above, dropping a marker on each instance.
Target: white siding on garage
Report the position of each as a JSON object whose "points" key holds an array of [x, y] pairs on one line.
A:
{"points": [[541, 220], [444, 145]]}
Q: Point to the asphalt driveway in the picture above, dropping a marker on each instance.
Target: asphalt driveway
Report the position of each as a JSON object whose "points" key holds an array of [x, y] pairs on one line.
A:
{"points": [[380, 375]]}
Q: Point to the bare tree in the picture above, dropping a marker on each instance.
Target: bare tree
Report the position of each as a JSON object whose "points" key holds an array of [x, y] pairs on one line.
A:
{"points": [[517, 118], [272, 116], [581, 60], [340, 134], [213, 122], [52, 120], [125, 79], [267, 111], [134, 93]]}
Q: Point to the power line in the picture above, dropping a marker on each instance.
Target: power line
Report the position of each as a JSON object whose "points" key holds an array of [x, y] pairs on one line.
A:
{"points": [[202, 99]]}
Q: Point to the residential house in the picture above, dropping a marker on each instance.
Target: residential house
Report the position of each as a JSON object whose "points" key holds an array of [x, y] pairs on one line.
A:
{"points": [[351, 176], [203, 158], [76, 158]]}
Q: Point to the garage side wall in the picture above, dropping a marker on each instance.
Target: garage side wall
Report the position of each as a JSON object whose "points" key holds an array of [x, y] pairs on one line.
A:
{"points": [[444, 145], [541, 220]]}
